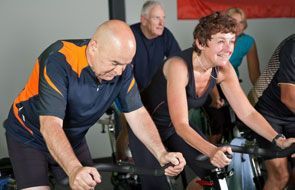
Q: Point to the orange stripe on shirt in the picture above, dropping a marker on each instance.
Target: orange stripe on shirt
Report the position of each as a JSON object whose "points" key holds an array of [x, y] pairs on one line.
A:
{"points": [[75, 56], [48, 80], [131, 85], [15, 111], [31, 89]]}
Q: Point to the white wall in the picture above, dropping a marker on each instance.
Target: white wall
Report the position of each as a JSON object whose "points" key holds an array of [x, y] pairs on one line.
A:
{"points": [[27, 28]]}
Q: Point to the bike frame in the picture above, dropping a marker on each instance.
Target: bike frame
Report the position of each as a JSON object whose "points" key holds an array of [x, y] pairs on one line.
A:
{"points": [[220, 175]]}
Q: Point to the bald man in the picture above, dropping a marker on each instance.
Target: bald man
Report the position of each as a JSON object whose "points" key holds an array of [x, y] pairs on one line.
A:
{"points": [[71, 86]]}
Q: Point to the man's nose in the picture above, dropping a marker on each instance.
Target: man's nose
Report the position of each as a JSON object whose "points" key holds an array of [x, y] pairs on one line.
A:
{"points": [[162, 21]]}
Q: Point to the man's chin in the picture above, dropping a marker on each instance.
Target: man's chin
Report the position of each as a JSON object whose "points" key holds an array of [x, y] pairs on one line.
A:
{"points": [[106, 78], [160, 33]]}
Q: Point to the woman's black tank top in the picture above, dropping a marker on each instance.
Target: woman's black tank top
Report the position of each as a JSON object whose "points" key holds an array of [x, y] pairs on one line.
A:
{"points": [[155, 96]]}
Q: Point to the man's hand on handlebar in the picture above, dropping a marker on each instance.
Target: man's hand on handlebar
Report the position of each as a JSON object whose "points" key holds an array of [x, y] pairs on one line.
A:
{"points": [[84, 178], [285, 143], [219, 157], [175, 162]]}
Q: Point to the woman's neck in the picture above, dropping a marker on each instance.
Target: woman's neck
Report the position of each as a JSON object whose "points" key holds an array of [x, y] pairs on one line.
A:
{"points": [[200, 63]]}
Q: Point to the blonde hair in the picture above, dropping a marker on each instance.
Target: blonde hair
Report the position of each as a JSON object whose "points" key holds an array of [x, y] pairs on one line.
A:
{"points": [[235, 10]]}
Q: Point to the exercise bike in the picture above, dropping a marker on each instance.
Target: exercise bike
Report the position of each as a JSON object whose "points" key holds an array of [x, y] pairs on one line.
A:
{"points": [[128, 179], [7, 181], [122, 178], [217, 178]]}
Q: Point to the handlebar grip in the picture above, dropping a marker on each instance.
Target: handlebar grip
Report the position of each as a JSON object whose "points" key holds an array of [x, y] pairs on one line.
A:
{"points": [[124, 168], [204, 161], [286, 152], [265, 153], [228, 155], [202, 157], [167, 165]]}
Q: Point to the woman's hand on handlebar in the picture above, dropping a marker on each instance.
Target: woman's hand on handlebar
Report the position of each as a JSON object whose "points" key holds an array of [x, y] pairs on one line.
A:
{"points": [[219, 157], [174, 162], [84, 178]]}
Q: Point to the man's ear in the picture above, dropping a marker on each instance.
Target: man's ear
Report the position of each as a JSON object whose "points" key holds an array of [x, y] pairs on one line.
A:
{"points": [[199, 45], [143, 20], [93, 45]]}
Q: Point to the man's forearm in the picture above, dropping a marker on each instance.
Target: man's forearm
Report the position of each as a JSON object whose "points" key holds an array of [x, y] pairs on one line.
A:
{"points": [[58, 145], [146, 131], [258, 124]]}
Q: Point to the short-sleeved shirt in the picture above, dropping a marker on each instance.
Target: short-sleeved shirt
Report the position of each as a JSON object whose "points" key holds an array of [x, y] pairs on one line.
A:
{"points": [[243, 44], [154, 97], [150, 54], [281, 69], [63, 85]]}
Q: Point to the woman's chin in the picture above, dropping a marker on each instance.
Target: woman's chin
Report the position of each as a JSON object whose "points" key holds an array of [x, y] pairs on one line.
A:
{"points": [[223, 63]]}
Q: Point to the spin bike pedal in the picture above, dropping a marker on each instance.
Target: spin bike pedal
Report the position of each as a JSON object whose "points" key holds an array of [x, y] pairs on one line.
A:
{"points": [[127, 180]]}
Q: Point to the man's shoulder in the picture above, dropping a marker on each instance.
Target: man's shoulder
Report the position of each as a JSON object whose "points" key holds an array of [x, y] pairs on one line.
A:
{"points": [[289, 46], [167, 31], [64, 53], [77, 42], [135, 26], [59, 44]]}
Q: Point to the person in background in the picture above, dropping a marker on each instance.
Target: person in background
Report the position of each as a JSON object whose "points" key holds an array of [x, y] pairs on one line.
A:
{"points": [[245, 46], [274, 97], [154, 42], [72, 85]]}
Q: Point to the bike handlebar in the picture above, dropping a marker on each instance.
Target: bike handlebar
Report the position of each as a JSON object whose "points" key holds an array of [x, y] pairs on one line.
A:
{"points": [[264, 153], [107, 167], [204, 162]]}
